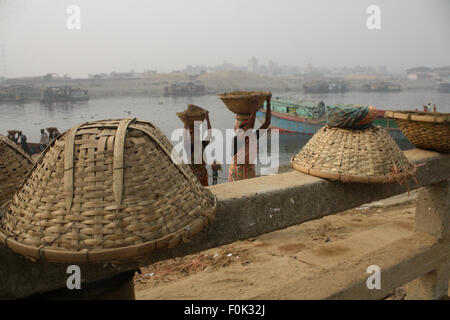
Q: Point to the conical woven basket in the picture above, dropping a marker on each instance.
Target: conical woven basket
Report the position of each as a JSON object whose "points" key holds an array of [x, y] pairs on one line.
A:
{"points": [[105, 191], [239, 101], [350, 155], [425, 130], [193, 113], [14, 166]]}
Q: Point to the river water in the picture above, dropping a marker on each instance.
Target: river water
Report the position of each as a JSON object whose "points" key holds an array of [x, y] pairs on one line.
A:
{"points": [[31, 117]]}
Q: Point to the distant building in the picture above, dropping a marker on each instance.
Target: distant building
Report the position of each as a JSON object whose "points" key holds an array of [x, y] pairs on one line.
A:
{"points": [[195, 70], [253, 65], [99, 76], [3, 61], [273, 67], [419, 73], [49, 76], [149, 73], [122, 75], [382, 69], [442, 73]]}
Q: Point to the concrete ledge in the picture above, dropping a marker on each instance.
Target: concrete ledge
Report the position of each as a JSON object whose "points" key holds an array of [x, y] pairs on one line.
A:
{"points": [[265, 204], [245, 209], [20, 277]]}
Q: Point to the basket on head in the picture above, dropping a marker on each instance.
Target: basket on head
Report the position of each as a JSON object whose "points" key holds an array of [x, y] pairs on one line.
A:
{"points": [[52, 129], [239, 101], [351, 155], [242, 116], [105, 191], [425, 130], [14, 166], [193, 113]]}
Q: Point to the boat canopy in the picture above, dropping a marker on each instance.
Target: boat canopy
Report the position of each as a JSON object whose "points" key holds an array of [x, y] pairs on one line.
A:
{"points": [[305, 109]]}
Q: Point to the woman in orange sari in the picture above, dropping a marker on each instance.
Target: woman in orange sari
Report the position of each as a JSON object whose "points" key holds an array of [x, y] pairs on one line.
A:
{"points": [[247, 170]]}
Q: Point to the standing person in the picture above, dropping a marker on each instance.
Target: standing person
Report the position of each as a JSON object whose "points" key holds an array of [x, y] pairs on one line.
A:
{"points": [[23, 143], [190, 133], [12, 136], [247, 170], [54, 133], [44, 140], [215, 167]]}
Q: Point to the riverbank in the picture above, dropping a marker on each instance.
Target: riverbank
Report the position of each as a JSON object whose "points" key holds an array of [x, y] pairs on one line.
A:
{"points": [[153, 84]]}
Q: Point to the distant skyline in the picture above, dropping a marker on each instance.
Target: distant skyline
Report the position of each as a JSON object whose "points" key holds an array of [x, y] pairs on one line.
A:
{"points": [[168, 35]]}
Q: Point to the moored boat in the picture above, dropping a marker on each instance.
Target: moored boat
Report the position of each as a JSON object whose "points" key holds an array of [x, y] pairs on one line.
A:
{"points": [[444, 87], [382, 87], [64, 94], [325, 86], [34, 148], [78, 95], [307, 117], [185, 89], [15, 93]]}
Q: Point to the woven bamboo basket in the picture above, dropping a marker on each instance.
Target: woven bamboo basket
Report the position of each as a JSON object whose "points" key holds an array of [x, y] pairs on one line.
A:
{"points": [[350, 155], [105, 191], [425, 130], [14, 166], [239, 101], [193, 113]]}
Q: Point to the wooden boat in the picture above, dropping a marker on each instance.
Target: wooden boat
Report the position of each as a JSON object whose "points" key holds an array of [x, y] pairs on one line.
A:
{"points": [[306, 117], [382, 87], [78, 95], [184, 89], [35, 147], [444, 87], [64, 94], [325, 86], [15, 93]]}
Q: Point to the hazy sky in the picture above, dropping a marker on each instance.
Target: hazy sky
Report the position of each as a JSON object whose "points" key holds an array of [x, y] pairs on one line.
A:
{"points": [[119, 35]]}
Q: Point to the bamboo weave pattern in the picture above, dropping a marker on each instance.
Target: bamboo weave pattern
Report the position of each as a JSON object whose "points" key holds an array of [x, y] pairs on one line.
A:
{"points": [[106, 191]]}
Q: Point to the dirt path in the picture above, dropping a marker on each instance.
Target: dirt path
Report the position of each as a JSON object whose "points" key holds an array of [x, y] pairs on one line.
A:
{"points": [[262, 267]]}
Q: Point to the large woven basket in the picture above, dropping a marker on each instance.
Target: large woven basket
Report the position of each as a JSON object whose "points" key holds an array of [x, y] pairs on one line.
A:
{"points": [[105, 191], [425, 130], [14, 166], [239, 101], [351, 155]]}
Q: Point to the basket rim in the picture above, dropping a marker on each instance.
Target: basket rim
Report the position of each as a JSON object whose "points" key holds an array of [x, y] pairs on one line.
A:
{"points": [[190, 114], [343, 176], [433, 117], [15, 147], [242, 94], [391, 178], [131, 252], [62, 255]]}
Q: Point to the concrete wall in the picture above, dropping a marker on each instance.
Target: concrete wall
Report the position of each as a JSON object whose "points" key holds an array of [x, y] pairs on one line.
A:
{"points": [[245, 209]]}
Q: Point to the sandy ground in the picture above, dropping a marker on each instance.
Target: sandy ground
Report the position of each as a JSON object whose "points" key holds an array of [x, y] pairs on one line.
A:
{"points": [[262, 267]]}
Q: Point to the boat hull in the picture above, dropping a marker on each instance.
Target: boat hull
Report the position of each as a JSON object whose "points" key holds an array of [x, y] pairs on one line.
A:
{"points": [[444, 87], [35, 148], [290, 123], [295, 124]]}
